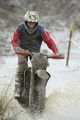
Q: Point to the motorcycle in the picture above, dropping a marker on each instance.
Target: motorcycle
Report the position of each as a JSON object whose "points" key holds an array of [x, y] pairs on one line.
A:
{"points": [[35, 81]]}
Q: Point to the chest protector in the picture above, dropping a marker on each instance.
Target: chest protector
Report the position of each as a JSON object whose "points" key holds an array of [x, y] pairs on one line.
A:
{"points": [[31, 42]]}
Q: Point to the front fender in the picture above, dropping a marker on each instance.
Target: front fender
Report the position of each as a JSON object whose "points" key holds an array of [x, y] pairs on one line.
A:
{"points": [[43, 74]]}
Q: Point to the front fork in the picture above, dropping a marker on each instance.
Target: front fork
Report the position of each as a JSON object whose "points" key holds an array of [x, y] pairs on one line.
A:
{"points": [[37, 79]]}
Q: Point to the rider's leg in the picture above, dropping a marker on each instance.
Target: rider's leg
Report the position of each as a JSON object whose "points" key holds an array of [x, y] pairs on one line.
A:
{"points": [[19, 78]]}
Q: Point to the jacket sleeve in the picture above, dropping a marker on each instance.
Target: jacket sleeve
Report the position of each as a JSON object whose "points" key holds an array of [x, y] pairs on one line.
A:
{"points": [[15, 40], [50, 42]]}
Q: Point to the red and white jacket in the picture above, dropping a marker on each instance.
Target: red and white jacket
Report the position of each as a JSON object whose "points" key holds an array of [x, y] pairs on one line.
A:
{"points": [[45, 38]]}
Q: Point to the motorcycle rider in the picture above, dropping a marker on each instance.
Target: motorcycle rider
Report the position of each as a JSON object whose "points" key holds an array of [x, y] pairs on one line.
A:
{"points": [[28, 36]]}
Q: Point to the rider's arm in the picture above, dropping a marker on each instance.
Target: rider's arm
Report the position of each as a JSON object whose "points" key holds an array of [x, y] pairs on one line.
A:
{"points": [[50, 42], [15, 43], [15, 40]]}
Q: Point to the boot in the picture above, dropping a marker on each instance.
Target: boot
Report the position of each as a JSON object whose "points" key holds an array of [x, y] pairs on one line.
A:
{"points": [[18, 90]]}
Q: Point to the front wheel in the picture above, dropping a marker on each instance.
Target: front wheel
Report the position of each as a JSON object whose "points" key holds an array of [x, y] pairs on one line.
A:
{"points": [[41, 79], [41, 98]]}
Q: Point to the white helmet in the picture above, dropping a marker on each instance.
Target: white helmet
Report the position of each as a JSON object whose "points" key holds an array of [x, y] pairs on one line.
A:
{"points": [[31, 16]]}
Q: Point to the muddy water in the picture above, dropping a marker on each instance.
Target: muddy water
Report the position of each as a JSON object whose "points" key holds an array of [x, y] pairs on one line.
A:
{"points": [[63, 93], [63, 89]]}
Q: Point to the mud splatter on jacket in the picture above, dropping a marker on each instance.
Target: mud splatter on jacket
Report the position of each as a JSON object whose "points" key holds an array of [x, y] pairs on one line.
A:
{"points": [[32, 42]]}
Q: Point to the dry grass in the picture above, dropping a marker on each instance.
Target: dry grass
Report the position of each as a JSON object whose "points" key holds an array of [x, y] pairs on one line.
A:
{"points": [[8, 111]]}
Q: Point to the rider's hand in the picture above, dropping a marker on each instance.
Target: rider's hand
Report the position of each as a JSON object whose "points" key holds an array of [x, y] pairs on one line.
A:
{"points": [[57, 55], [27, 52], [21, 51]]}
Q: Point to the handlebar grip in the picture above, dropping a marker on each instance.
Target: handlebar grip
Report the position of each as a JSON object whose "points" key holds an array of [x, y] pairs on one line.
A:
{"points": [[55, 56]]}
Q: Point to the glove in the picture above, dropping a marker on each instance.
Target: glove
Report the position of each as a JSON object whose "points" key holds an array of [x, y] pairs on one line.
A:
{"points": [[20, 51], [58, 56]]}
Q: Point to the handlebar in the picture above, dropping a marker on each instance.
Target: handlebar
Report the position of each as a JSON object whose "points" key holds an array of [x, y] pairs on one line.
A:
{"points": [[53, 56], [56, 56]]}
